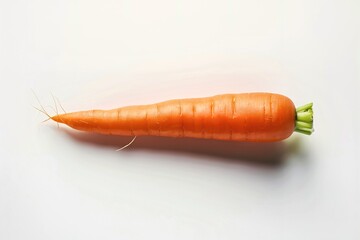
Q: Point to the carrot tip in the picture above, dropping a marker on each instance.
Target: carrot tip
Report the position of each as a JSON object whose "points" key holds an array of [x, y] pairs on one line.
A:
{"points": [[304, 119], [57, 118]]}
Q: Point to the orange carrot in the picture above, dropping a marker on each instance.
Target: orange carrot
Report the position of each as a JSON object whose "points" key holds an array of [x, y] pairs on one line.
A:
{"points": [[258, 117]]}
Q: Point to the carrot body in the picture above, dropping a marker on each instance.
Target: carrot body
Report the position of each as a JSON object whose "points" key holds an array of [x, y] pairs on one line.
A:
{"points": [[259, 117]]}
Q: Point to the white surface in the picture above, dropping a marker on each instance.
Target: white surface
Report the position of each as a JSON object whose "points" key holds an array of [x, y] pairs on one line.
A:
{"points": [[58, 184]]}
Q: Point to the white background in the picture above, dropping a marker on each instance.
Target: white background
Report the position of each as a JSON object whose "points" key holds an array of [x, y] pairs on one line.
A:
{"points": [[61, 184]]}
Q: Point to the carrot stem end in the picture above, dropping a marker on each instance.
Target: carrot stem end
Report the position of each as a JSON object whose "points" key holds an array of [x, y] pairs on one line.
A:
{"points": [[304, 119]]}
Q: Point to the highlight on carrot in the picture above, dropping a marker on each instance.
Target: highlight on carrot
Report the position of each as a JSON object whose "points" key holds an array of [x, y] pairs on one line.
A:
{"points": [[254, 117]]}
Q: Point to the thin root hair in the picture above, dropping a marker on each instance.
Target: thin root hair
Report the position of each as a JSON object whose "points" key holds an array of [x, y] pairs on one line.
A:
{"points": [[60, 105], [127, 145], [55, 108], [44, 112]]}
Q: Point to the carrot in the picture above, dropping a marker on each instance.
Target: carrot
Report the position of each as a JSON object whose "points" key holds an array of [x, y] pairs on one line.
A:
{"points": [[257, 117]]}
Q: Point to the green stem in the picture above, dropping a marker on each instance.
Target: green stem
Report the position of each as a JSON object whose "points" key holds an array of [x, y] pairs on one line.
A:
{"points": [[304, 119]]}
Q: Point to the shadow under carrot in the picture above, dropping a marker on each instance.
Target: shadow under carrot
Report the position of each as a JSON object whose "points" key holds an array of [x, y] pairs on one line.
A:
{"points": [[268, 153]]}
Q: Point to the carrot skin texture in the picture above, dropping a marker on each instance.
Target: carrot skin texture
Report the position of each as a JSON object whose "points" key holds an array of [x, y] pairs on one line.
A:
{"points": [[255, 117]]}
